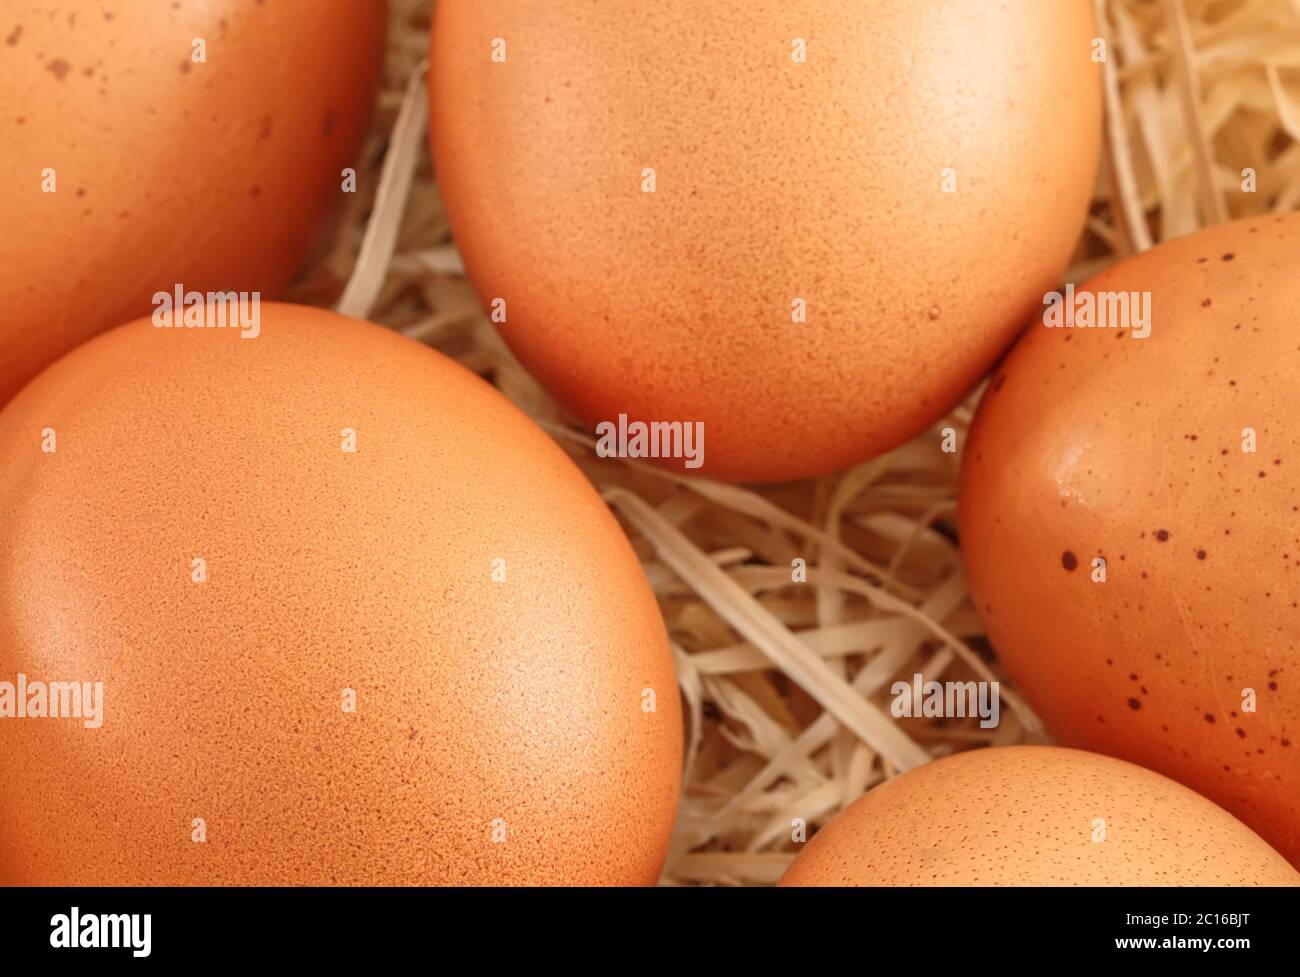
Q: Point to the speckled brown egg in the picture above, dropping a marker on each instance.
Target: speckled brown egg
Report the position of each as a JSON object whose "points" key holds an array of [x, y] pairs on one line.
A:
{"points": [[357, 620], [150, 143], [1035, 816], [809, 226], [1130, 521]]}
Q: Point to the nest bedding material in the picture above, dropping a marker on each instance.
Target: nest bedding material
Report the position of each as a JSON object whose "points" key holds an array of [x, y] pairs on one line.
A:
{"points": [[786, 684]]}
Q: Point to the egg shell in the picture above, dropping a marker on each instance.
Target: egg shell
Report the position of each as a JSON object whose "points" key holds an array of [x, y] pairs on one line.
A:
{"points": [[1035, 816], [499, 734], [214, 174], [1091, 444], [783, 188]]}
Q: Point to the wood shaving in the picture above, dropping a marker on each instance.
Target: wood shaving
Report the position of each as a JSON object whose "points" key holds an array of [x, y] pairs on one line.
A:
{"points": [[785, 685]]}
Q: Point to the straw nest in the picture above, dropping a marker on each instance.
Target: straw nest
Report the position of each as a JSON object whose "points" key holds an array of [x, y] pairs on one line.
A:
{"points": [[786, 686]]}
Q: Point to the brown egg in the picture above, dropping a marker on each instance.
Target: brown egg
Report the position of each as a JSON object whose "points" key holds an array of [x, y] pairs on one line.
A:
{"points": [[1034, 816], [150, 144], [203, 543], [1130, 520], [810, 228]]}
